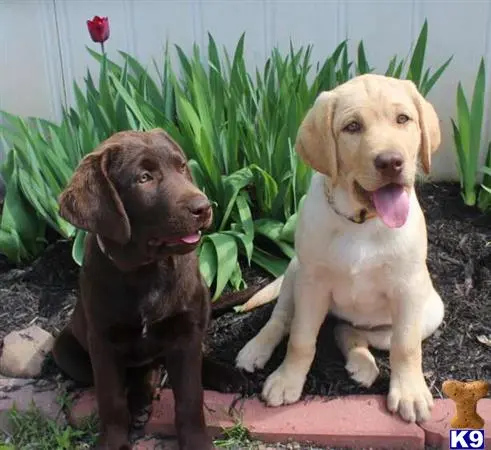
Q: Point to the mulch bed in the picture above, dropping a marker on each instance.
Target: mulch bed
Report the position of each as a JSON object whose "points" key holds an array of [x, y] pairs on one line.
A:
{"points": [[459, 259]]}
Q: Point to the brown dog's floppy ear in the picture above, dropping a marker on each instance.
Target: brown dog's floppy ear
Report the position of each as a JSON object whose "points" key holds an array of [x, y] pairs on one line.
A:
{"points": [[315, 141], [90, 201], [429, 125]]}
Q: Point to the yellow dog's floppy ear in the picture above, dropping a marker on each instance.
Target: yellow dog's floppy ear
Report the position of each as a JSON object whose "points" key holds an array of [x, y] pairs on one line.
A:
{"points": [[315, 141], [429, 125], [90, 201]]}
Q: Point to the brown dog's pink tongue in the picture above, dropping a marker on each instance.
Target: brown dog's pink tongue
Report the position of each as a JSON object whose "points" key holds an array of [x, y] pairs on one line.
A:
{"points": [[191, 239], [392, 205]]}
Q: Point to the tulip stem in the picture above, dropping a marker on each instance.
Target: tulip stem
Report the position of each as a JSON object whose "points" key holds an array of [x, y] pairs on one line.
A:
{"points": [[102, 47]]}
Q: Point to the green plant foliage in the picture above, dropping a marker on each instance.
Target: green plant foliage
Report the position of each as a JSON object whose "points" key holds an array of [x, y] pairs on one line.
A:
{"points": [[467, 133], [237, 127]]}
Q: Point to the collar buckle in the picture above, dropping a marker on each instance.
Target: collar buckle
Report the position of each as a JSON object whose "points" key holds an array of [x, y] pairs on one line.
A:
{"points": [[359, 217]]}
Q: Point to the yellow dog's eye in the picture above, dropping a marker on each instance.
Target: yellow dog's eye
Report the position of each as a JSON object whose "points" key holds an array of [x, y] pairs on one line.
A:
{"points": [[145, 177], [353, 127], [402, 118]]}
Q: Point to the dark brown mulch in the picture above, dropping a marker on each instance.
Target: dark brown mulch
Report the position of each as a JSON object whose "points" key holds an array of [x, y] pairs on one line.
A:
{"points": [[459, 261]]}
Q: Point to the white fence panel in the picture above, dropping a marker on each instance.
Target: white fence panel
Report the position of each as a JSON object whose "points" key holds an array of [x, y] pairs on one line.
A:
{"points": [[43, 42]]}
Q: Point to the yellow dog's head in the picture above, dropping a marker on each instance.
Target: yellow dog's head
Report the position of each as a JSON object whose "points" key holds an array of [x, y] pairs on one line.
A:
{"points": [[367, 135]]}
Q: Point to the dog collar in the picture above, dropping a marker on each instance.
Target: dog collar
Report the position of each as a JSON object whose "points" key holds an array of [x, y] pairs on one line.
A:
{"points": [[359, 217], [103, 249], [105, 252]]}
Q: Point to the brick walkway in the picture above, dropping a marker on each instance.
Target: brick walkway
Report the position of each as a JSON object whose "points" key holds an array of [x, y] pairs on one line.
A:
{"points": [[354, 422]]}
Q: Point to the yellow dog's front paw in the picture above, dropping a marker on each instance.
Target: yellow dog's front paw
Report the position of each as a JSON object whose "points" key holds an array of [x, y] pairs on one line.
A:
{"points": [[410, 397], [282, 387]]}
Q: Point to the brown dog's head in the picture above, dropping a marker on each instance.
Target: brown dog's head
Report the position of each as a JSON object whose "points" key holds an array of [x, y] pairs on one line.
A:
{"points": [[137, 187], [367, 135]]}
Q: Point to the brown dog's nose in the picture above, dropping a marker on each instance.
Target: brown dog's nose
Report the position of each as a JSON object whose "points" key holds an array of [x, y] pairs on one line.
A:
{"points": [[389, 163], [199, 206]]}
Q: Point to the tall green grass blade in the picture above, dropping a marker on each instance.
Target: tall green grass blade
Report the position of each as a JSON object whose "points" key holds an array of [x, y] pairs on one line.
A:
{"points": [[417, 60]]}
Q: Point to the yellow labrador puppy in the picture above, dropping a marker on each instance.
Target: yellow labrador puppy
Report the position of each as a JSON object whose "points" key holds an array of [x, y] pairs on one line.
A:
{"points": [[361, 245]]}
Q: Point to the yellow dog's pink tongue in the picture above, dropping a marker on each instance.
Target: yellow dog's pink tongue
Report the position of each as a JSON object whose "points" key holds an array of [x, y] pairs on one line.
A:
{"points": [[392, 205]]}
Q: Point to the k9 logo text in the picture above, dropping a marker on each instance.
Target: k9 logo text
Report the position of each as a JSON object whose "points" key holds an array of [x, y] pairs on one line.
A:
{"points": [[467, 439]]}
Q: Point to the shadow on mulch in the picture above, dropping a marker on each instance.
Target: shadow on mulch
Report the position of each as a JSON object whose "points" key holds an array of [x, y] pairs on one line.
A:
{"points": [[459, 260]]}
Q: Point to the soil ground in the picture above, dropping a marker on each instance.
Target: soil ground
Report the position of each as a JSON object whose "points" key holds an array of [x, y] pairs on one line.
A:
{"points": [[459, 259]]}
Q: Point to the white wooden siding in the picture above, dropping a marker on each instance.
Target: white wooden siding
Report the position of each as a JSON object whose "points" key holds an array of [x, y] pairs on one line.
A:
{"points": [[42, 42]]}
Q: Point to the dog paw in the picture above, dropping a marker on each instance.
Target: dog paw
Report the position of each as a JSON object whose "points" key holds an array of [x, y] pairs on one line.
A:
{"points": [[410, 397], [141, 416], [254, 355], [115, 443], [282, 388], [226, 379], [362, 367]]}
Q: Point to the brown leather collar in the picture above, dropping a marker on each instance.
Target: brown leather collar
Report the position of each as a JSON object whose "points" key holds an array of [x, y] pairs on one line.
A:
{"points": [[359, 217]]}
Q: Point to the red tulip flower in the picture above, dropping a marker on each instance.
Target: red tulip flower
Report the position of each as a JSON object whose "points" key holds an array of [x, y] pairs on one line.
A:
{"points": [[99, 30]]}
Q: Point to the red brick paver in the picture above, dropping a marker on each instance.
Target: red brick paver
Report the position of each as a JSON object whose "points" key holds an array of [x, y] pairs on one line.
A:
{"points": [[437, 429], [352, 421], [216, 413], [83, 406]]}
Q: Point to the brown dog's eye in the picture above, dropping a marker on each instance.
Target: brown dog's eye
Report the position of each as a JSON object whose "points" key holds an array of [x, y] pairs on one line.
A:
{"points": [[353, 127], [183, 166], [402, 118], [145, 177]]}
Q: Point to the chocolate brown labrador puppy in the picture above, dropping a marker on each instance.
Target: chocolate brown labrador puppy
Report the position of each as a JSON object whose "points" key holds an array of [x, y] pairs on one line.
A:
{"points": [[143, 301]]}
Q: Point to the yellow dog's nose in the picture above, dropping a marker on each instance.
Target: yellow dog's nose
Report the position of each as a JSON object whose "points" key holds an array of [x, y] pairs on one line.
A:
{"points": [[389, 163]]}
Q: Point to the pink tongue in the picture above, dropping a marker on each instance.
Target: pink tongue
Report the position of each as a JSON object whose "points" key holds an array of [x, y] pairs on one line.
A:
{"points": [[191, 239], [392, 205]]}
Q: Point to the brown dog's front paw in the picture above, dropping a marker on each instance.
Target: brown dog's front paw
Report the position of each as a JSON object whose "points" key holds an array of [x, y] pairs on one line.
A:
{"points": [[108, 446], [194, 441], [223, 378], [113, 439], [141, 416]]}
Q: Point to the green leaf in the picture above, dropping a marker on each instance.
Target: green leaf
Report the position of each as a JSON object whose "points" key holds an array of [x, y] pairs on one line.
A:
{"points": [[24, 229], [11, 246], [476, 118], [362, 66], [245, 241], [245, 215], [78, 247], [226, 253], [236, 280], [272, 230], [272, 264], [428, 85], [288, 232], [418, 58], [461, 156], [233, 184], [208, 261], [130, 102]]}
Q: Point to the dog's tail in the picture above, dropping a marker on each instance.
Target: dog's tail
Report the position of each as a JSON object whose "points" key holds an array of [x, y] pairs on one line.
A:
{"points": [[249, 298], [265, 295]]}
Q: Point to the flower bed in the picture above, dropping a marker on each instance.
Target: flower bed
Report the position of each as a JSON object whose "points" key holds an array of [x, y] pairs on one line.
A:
{"points": [[459, 262]]}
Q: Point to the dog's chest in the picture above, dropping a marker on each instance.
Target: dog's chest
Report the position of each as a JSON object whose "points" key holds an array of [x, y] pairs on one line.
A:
{"points": [[361, 279], [146, 300], [360, 299], [358, 272]]}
